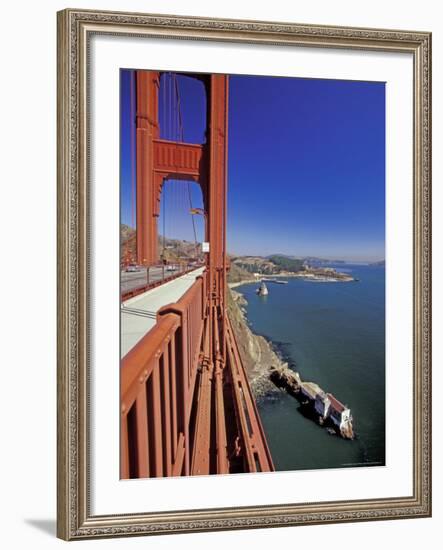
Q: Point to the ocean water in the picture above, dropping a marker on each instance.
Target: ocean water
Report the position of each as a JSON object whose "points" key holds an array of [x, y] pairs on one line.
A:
{"points": [[332, 334]]}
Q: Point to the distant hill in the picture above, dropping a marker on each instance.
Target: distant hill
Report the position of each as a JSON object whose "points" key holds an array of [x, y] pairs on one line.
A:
{"points": [[315, 261], [283, 255], [126, 232], [242, 267], [174, 249], [312, 260], [381, 263], [286, 263]]}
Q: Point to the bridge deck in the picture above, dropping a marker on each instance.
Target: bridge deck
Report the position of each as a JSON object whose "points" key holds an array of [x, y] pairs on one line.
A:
{"points": [[138, 314]]}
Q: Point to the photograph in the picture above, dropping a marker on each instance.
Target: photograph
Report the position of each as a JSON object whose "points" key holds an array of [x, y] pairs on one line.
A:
{"points": [[252, 273], [223, 317], [244, 282]]}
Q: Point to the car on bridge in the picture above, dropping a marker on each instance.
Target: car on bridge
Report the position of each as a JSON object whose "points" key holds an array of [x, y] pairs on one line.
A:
{"points": [[132, 268]]}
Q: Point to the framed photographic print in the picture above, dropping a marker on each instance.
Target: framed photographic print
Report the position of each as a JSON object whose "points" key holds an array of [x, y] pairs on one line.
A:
{"points": [[244, 274]]}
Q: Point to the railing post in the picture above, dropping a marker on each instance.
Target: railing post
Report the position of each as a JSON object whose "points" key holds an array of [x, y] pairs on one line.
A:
{"points": [[191, 327], [182, 378], [142, 434], [124, 447], [143, 418]]}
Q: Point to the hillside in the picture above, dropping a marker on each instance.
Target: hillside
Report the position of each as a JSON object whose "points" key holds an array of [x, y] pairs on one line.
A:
{"points": [[126, 232], [276, 264], [175, 250], [242, 268], [286, 263], [313, 261], [237, 274]]}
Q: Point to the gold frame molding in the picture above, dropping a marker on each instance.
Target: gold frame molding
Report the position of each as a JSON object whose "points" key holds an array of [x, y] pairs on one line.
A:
{"points": [[74, 519]]}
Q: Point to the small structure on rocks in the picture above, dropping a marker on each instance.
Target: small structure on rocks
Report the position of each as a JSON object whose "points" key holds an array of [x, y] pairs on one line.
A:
{"points": [[326, 409]]}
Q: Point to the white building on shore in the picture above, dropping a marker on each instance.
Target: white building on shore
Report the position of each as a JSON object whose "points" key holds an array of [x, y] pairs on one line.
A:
{"points": [[339, 413], [327, 406]]}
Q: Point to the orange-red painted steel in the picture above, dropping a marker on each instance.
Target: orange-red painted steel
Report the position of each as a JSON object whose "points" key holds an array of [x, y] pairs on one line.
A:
{"points": [[186, 404], [168, 368], [147, 130]]}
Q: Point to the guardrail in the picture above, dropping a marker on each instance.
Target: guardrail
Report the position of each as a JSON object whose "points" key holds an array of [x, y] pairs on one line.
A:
{"points": [[162, 277], [157, 380], [256, 451]]}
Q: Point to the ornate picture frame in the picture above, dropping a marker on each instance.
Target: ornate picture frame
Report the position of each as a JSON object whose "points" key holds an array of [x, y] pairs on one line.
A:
{"points": [[75, 518]]}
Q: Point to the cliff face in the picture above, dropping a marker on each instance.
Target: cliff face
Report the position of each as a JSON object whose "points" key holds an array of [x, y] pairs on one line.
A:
{"points": [[257, 354]]}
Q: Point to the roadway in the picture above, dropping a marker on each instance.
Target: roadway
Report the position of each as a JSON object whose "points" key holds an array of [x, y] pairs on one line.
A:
{"points": [[130, 280], [139, 314]]}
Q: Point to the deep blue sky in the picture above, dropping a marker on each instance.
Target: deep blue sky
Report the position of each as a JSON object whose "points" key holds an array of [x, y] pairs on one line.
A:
{"points": [[306, 168]]}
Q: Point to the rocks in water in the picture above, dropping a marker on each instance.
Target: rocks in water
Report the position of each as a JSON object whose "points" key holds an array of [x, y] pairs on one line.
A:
{"points": [[284, 377], [317, 405]]}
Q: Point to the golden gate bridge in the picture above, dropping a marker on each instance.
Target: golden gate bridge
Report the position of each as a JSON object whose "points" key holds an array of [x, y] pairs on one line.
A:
{"points": [[186, 403]]}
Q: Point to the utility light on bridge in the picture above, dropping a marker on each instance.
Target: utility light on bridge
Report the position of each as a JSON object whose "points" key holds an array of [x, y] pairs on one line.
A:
{"points": [[199, 211]]}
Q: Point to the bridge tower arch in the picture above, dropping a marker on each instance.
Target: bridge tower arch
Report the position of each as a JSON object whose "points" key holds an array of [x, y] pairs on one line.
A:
{"points": [[160, 159]]}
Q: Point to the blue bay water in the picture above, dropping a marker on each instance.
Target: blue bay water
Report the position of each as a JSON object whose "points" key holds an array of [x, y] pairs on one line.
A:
{"points": [[332, 334]]}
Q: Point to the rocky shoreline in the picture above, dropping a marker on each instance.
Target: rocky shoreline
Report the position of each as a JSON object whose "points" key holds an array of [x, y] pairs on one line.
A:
{"points": [[258, 355], [267, 370], [323, 408], [244, 282]]}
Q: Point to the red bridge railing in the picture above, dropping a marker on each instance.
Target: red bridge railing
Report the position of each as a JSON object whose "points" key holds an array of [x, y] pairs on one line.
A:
{"points": [[145, 284], [181, 412], [157, 380], [256, 450]]}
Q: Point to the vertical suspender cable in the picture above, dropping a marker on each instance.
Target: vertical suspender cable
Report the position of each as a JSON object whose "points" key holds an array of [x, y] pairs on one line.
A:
{"points": [[132, 129], [181, 137]]}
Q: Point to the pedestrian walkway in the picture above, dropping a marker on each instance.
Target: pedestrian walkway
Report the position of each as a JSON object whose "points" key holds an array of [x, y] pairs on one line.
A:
{"points": [[139, 314]]}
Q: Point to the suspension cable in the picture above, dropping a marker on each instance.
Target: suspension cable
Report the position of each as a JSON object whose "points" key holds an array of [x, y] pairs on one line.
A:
{"points": [[181, 137], [132, 131]]}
